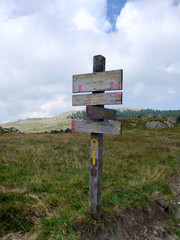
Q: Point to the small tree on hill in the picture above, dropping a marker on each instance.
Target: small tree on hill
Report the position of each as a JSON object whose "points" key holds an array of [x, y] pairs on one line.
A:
{"points": [[178, 120], [67, 130]]}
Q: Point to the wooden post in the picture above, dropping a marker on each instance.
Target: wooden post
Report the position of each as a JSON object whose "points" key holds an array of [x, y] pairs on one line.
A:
{"points": [[95, 183], [101, 120]]}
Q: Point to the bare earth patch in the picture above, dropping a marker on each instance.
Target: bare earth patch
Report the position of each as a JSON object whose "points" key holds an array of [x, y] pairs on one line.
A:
{"points": [[147, 223], [139, 224]]}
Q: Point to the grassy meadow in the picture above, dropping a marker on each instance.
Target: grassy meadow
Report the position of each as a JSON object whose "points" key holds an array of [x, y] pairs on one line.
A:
{"points": [[44, 179]]}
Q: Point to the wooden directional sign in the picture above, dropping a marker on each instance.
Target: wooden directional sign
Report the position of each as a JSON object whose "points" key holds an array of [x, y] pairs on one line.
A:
{"points": [[109, 126], [97, 99], [95, 112], [98, 81]]}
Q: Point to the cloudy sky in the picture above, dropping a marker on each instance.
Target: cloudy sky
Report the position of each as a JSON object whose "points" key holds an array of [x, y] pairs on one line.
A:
{"points": [[44, 42]]}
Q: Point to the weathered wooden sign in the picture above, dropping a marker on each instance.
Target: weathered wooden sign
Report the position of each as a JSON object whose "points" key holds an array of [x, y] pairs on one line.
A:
{"points": [[101, 120], [108, 126], [97, 99], [98, 81], [96, 112]]}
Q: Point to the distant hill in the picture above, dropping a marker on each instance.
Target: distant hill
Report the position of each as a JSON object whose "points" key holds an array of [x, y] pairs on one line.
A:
{"points": [[39, 125], [63, 121], [29, 119], [134, 113]]}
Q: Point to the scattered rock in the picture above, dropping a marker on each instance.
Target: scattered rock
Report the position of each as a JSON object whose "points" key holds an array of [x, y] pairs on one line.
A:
{"points": [[155, 125], [9, 130], [163, 204], [169, 124], [12, 236], [132, 124], [1, 129], [172, 120], [129, 123], [159, 125], [15, 130]]}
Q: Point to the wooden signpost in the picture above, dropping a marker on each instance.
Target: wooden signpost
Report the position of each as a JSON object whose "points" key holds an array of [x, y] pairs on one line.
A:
{"points": [[97, 99], [101, 120], [111, 127], [98, 81], [95, 112]]}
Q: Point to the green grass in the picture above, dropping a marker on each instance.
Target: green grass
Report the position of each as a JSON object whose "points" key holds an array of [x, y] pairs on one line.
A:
{"points": [[44, 179], [175, 230]]}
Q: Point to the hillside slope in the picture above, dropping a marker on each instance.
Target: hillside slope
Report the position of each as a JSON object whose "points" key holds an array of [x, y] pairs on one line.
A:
{"points": [[41, 125], [63, 121]]}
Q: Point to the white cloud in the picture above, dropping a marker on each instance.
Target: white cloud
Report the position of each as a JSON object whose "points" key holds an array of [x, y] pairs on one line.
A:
{"points": [[171, 91], [85, 21], [43, 43], [44, 108], [172, 68], [53, 106]]}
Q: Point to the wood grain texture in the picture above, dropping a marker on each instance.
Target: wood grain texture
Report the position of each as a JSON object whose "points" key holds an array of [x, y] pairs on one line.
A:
{"points": [[95, 112], [95, 183], [98, 81], [99, 63], [97, 99], [107, 126]]}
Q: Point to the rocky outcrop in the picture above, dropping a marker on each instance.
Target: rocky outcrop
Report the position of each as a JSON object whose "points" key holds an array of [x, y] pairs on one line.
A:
{"points": [[2, 130], [14, 130], [172, 120], [9, 130], [155, 125], [159, 124]]}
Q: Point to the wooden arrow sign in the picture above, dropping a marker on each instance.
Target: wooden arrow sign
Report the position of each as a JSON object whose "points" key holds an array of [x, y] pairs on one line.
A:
{"points": [[96, 112], [97, 99], [108, 126], [98, 81]]}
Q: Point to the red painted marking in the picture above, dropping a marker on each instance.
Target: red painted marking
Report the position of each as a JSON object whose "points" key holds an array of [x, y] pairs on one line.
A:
{"points": [[111, 85], [118, 93], [80, 88], [120, 85], [118, 102], [73, 89], [89, 108], [73, 126]]}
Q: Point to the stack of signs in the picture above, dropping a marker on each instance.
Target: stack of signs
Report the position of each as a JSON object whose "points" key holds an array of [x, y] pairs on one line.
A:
{"points": [[97, 83]]}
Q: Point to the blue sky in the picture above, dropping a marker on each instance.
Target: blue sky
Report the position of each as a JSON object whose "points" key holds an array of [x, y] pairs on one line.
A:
{"points": [[44, 43], [113, 10]]}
